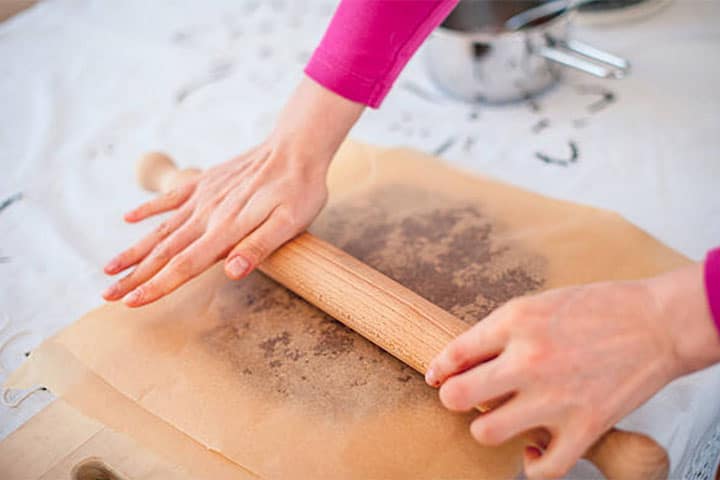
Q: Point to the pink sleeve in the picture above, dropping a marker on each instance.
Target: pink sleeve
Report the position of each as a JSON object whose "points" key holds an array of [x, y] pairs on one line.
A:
{"points": [[369, 42], [712, 284]]}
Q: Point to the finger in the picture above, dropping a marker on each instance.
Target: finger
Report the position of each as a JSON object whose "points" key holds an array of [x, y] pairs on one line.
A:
{"points": [[487, 381], [277, 229], [141, 249], [154, 261], [564, 451], [191, 262], [478, 344], [197, 257], [167, 201], [505, 422]]}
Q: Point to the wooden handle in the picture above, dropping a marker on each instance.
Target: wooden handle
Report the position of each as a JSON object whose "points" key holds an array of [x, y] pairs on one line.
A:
{"points": [[156, 172], [396, 319]]}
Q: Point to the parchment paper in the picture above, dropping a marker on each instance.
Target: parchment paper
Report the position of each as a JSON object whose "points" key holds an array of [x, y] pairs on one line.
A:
{"points": [[111, 427], [59, 439], [252, 371]]}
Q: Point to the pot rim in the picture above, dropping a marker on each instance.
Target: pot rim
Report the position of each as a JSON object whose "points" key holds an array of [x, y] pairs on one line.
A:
{"points": [[563, 17]]}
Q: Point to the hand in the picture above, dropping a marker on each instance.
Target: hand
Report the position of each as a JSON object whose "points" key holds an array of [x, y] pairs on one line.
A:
{"points": [[248, 206], [575, 361], [242, 209]]}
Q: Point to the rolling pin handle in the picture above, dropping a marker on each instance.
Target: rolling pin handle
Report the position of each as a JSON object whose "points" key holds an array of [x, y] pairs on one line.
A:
{"points": [[157, 172]]}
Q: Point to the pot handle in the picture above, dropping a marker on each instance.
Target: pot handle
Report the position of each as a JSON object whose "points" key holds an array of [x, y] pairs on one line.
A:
{"points": [[586, 58]]}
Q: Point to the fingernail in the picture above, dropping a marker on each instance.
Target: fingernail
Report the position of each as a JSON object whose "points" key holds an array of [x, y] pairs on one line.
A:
{"points": [[112, 265], [533, 452], [133, 296], [110, 291], [431, 377], [237, 266]]}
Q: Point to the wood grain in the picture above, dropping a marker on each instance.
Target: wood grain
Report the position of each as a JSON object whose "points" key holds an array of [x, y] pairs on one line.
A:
{"points": [[396, 319], [375, 306]]}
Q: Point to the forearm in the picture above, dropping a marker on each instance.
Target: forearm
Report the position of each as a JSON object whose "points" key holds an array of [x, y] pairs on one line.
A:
{"points": [[683, 305]]}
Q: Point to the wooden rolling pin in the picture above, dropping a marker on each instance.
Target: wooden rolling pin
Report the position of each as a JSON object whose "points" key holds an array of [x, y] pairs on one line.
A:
{"points": [[395, 318]]}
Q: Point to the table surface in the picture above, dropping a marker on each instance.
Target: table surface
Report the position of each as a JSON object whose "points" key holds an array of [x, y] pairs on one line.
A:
{"points": [[88, 86]]}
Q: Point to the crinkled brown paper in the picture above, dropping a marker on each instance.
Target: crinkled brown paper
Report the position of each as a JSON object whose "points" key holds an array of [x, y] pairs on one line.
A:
{"points": [[250, 370]]}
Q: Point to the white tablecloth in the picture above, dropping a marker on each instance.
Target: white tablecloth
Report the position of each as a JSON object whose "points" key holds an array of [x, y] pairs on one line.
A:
{"points": [[87, 86]]}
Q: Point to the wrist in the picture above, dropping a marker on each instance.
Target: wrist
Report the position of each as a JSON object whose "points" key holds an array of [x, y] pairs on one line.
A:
{"points": [[315, 121], [683, 313]]}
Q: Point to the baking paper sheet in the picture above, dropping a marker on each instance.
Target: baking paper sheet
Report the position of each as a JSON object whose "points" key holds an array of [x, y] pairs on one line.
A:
{"points": [[250, 370], [111, 428]]}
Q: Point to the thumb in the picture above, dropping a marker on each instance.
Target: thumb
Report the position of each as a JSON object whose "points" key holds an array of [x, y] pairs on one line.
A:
{"points": [[277, 229]]}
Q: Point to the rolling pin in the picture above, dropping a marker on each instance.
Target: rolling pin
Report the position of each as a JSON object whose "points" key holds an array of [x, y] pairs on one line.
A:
{"points": [[395, 318]]}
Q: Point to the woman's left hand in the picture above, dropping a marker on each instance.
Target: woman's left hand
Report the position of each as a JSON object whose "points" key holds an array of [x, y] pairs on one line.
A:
{"points": [[575, 360]]}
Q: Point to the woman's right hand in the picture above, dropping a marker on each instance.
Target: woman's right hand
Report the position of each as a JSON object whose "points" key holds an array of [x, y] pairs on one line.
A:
{"points": [[243, 209]]}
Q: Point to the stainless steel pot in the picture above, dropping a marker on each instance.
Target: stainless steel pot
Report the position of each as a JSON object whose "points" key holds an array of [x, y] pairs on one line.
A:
{"points": [[473, 55]]}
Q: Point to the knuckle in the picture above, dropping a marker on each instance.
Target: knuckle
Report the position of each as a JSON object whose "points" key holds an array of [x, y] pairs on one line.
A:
{"points": [[198, 219], [529, 364], [182, 265], [143, 291], [254, 250], [161, 255], [204, 210], [517, 309], [536, 356], [289, 218], [176, 194], [165, 198], [163, 229], [456, 355], [149, 290]]}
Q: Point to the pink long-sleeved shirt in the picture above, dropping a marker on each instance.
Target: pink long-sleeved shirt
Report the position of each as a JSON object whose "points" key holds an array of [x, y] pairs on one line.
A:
{"points": [[368, 42]]}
